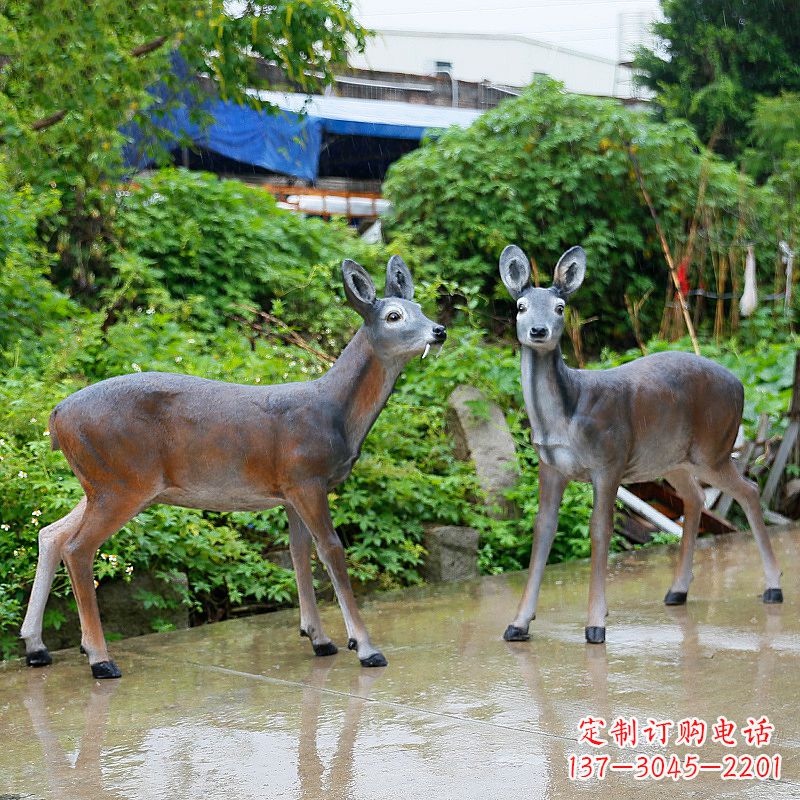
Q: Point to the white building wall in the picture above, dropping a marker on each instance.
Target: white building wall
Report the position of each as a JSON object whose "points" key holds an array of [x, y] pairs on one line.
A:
{"points": [[497, 58]]}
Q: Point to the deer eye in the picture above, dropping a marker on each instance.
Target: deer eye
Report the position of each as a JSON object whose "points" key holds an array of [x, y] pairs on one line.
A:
{"points": [[560, 310], [522, 306], [393, 316]]}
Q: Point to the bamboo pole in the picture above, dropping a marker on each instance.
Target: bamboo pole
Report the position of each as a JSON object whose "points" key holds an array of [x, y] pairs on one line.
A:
{"points": [[667, 254]]}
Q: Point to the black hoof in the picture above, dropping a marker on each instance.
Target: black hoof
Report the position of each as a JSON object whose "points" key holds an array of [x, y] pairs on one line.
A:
{"points": [[352, 644], [39, 658], [325, 649], [675, 598], [106, 669], [375, 660], [514, 634], [595, 635], [772, 596]]}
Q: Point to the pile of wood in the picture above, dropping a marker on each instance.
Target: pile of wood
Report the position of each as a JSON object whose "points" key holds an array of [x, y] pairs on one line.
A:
{"points": [[768, 459]]}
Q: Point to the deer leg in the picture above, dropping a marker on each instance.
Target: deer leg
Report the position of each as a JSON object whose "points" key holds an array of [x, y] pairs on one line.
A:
{"points": [[601, 529], [103, 517], [311, 503], [746, 494], [551, 490], [50, 541], [310, 623], [689, 490]]}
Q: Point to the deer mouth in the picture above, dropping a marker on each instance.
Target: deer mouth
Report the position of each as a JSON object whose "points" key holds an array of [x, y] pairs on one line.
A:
{"points": [[428, 348]]}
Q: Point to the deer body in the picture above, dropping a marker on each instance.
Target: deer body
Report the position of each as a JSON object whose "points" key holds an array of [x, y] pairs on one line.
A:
{"points": [[147, 438], [575, 414], [224, 446], [671, 415]]}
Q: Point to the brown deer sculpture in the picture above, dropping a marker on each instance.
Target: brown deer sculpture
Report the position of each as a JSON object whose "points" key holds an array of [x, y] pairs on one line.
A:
{"points": [[671, 415], [147, 438]]}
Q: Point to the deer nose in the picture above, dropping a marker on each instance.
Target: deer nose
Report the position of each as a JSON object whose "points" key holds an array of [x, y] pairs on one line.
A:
{"points": [[538, 333], [439, 333]]}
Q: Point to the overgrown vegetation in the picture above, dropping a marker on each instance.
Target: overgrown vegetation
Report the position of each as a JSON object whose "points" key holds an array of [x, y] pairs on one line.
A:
{"points": [[168, 309], [101, 276], [549, 169], [73, 75], [716, 57]]}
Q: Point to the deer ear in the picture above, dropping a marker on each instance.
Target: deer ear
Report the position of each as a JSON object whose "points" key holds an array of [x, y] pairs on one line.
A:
{"points": [[570, 270], [358, 287], [515, 270], [399, 282]]}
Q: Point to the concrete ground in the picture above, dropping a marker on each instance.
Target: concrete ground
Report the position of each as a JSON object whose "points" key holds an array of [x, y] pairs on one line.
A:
{"points": [[243, 710]]}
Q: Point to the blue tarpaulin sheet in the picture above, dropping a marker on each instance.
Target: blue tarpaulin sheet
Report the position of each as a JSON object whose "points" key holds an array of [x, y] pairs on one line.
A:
{"points": [[288, 140], [281, 142]]}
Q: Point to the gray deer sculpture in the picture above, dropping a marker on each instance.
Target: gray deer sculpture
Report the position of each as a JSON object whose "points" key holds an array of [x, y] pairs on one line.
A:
{"points": [[672, 415], [147, 438]]}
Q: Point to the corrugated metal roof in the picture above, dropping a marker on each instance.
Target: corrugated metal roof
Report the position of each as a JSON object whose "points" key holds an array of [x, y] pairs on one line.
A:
{"points": [[375, 112]]}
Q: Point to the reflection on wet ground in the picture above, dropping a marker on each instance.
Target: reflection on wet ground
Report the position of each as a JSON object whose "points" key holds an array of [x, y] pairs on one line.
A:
{"points": [[242, 709]]}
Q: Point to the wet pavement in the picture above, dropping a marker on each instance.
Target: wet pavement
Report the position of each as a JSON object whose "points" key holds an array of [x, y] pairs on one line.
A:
{"points": [[243, 710]]}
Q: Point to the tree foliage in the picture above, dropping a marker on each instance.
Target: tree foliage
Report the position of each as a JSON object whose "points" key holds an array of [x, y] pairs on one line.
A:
{"points": [[72, 74], [549, 170], [716, 56], [774, 157], [230, 246]]}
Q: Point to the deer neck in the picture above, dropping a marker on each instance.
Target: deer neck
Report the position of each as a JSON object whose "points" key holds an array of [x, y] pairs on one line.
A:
{"points": [[550, 389], [360, 383]]}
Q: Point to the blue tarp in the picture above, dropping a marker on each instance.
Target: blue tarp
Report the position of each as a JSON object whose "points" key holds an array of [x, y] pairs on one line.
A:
{"points": [[284, 140], [281, 142]]}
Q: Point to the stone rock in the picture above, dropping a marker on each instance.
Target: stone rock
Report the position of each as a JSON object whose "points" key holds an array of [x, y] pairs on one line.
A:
{"points": [[481, 434], [452, 553], [121, 612], [283, 558], [791, 504]]}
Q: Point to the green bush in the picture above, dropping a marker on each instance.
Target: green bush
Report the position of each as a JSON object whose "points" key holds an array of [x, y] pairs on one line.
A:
{"points": [[30, 308], [163, 311], [549, 170], [231, 248]]}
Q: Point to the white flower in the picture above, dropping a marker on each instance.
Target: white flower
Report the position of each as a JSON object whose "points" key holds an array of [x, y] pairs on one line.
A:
{"points": [[191, 341], [46, 433], [37, 513], [178, 359], [22, 474], [33, 420], [135, 367], [6, 527], [129, 570], [150, 310]]}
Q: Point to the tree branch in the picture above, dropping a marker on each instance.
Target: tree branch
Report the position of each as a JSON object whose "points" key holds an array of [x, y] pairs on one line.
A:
{"points": [[46, 122], [144, 49], [137, 52]]}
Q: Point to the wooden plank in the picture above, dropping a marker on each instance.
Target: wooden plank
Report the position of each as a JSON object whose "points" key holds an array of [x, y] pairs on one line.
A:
{"points": [[648, 512], [634, 528], [794, 408], [779, 464], [663, 496]]}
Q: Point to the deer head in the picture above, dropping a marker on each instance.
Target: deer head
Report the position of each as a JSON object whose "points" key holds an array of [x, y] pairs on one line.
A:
{"points": [[395, 325], [540, 312]]}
